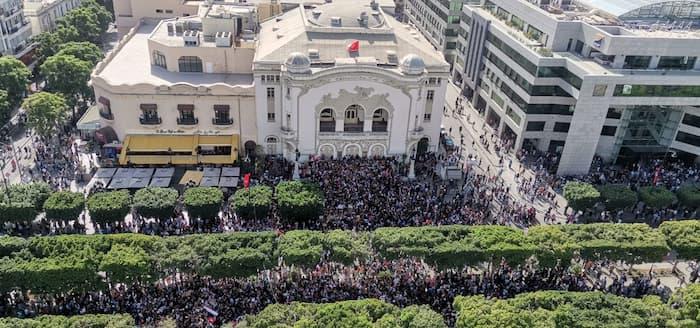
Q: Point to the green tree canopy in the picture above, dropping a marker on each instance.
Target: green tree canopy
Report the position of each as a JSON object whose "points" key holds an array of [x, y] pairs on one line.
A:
{"points": [[49, 43], [44, 112], [252, 202], [67, 75], [683, 237], [64, 206], [580, 195], [125, 264], [5, 107], [14, 77], [689, 195], [22, 202], [85, 21], [78, 321], [203, 202], [657, 197], [85, 51], [104, 17], [617, 196], [109, 207], [156, 203], [299, 201]]}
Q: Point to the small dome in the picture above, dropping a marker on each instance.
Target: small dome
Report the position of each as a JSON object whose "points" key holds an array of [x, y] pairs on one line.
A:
{"points": [[298, 63], [412, 64]]}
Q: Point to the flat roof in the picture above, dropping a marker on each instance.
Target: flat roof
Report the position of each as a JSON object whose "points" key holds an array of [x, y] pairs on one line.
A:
{"points": [[132, 65]]}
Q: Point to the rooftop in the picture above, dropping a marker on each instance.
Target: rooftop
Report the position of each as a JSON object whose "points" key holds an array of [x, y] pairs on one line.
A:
{"points": [[131, 65]]}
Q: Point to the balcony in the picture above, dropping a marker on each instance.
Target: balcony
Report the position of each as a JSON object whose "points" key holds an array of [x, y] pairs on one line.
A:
{"points": [[351, 127], [155, 120], [107, 115], [288, 134], [379, 126], [187, 121], [222, 121], [327, 126]]}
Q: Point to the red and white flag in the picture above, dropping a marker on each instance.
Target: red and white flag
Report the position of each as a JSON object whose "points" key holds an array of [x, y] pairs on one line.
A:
{"points": [[354, 46], [246, 180]]}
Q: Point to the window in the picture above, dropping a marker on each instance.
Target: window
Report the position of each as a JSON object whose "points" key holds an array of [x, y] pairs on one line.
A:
{"points": [[430, 95], [159, 11], [561, 127], [168, 11], [159, 59], [222, 115], [186, 114], [608, 130], [270, 117], [614, 113], [688, 138], [270, 93], [535, 126], [692, 120], [426, 116], [149, 114], [637, 62], [639, 90], [599, 90], [680, 63], [190, 64], [105, 108]]}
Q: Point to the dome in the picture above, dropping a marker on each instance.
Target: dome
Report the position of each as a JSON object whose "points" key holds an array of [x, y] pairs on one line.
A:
{"points": [[298, 63], [412, 64]]}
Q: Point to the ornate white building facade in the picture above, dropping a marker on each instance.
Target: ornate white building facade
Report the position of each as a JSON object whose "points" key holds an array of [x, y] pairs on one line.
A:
{"points": [[315, 95]]}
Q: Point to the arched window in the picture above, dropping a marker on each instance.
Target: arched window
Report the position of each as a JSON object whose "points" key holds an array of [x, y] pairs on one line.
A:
{"points": [[354, 118], [159, 59], [380, 120], [190, 64], [327, 120]]}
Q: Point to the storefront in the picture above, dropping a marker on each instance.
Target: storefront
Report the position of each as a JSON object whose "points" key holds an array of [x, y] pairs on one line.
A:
{"points": [[179, 149]]}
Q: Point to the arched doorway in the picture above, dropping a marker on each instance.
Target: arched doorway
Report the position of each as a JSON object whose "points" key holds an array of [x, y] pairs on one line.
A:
{"points": [[326, 120], [422, 146], [380, 120], [352, 150], [354, 118], [327, 151], [271, 143]]}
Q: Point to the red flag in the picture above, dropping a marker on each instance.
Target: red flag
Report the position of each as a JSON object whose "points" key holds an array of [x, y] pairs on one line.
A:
{"points": [[657, 175], [246, 180], [354, 46]]}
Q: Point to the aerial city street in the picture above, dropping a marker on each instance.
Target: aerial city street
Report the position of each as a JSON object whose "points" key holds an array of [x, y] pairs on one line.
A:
{"points": [[342, 164]]}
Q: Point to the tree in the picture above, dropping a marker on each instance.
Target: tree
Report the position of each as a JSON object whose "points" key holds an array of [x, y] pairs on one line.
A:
{"points": [[124, 264], [689, 195], [299, 200], [101, 12], [69, 76], [85, 51], [44, 111], [49, 43], [64, 206], [5, 107], [156, 203], [14, 77], [580, 195], [252, 202], [109, 207], [203, 202], [85, 20], [657, 197], [616, 196]]}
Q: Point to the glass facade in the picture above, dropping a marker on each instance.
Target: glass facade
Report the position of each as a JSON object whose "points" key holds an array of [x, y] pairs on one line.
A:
{"points": [[639, 90]]}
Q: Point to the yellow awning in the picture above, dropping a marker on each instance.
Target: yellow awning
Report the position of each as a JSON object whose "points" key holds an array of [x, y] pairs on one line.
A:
{"points": [[194, 176], [135, 144]]}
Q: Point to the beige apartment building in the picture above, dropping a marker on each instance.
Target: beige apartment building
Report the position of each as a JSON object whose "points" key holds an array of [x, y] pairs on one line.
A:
{"points": [[179, 91], [43, 14]]}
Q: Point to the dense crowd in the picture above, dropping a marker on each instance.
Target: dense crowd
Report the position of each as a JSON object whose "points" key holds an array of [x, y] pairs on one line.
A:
{"points": [[194, 301]]}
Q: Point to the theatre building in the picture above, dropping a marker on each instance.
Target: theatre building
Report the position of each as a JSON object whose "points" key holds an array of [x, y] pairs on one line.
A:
{"points": [[338, 79]]}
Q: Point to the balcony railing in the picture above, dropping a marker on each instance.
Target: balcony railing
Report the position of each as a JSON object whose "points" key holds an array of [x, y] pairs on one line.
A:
{"points": [[379, 126], [222, 121], [353, 127], [327, 126], [187, 120], [150, 120]]}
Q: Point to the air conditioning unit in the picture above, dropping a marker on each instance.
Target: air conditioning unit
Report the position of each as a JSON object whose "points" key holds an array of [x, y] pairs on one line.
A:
{"points": [[223, 39], [191, 38]]}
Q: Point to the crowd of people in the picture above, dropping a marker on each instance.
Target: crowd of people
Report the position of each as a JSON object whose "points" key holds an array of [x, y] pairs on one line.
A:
{"points": [[194, 301]]}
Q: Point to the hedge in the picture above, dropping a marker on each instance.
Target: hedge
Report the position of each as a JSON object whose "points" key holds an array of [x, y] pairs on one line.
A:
{"points": [[64, 206], [454, 246], [78, 321], [689, 195], [252, 202], [71, 262], [617, 196], [154, 202], [633, 243], [683, 237], [657, 197], [109, 207], [304, 247], [688, 301], [203, 202], [345, 314], [22, 202], [299, 201], [580, 195], [563, 309]]}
